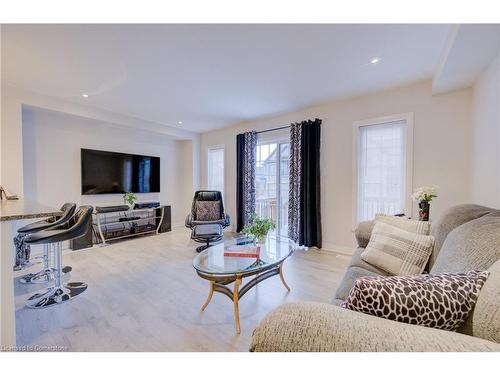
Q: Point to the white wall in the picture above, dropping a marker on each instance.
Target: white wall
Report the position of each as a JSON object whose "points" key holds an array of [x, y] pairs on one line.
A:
{"points": [[51, 159], [485, 139], [441, 149], [13, 100]]}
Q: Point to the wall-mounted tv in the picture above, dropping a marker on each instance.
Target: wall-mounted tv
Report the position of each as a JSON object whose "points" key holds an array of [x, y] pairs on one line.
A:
{"points": [[106, 172]]}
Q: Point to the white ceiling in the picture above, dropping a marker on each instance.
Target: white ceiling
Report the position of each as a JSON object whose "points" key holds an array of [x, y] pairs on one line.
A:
{"points": [[469, 50], [211, 76]]}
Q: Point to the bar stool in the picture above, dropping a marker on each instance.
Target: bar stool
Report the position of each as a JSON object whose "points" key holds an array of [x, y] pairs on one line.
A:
{"points": [[76, 227], [47, 273]]}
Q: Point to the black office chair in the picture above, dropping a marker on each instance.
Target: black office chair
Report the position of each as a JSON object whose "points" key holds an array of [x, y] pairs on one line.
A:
{"points": [[207, 218], [76, 227], [47, 273]]}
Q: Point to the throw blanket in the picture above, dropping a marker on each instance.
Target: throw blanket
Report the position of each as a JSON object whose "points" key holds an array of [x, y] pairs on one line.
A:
{"points": [[23, 251]]}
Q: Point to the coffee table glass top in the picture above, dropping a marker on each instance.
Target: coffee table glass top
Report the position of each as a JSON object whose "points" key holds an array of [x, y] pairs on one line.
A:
{"points": [[212, 260]]}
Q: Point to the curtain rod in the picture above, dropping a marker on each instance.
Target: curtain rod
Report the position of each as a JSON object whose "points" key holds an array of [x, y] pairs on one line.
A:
{"points": [[273, 129]]}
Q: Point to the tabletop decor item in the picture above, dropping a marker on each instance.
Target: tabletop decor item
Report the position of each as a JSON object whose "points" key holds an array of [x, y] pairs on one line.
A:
{"points": [[129, 198], [259, 227], [242, 251], [424, 195]]}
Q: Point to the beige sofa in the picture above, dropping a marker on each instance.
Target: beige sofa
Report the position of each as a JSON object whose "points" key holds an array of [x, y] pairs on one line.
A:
{"points": [[467, 238]]}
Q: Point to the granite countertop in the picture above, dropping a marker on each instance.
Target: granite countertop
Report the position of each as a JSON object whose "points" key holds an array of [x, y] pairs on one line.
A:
{"points": [[24, 209]]}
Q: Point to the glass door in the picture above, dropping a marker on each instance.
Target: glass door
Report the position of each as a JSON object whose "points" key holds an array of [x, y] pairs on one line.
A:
{"points": [[271, 180]]}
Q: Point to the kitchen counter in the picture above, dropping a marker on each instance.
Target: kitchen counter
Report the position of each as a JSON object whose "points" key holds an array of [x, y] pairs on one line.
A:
{"points": [[21, 209], [11, 212]]}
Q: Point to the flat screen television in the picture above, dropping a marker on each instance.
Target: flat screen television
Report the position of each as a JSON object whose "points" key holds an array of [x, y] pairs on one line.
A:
{"points": [[106, 172]]}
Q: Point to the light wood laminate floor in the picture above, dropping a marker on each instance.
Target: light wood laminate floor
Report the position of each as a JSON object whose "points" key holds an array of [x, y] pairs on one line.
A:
{"points": [[144, 295]]}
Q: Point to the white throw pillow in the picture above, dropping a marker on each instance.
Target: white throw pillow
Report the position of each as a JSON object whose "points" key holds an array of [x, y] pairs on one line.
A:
{"points": [[411, 225], [398, 251]]}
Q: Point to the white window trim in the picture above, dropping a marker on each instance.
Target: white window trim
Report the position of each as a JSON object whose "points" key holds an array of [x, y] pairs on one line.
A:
{"points": [[217, 147], [408, 118]]}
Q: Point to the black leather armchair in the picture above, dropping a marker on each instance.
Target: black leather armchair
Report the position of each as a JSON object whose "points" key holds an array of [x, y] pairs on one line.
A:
{"points": [[207, 218]]}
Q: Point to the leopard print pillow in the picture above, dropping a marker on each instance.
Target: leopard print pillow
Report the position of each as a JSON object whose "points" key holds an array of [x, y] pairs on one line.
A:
{"points": [[439, 301]]}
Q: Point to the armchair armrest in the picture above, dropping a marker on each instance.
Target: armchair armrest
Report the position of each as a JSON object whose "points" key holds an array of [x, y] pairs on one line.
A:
{"points": [[189, 221], [205, 222], [315, 327], [227, 220], [363, 232]]}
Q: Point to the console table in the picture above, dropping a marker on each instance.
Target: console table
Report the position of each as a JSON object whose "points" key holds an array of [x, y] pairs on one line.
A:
{"points": [[119, 224]]}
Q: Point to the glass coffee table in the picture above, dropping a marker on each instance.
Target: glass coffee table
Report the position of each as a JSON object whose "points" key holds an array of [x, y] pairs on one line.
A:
{"points": [[220, 270]]}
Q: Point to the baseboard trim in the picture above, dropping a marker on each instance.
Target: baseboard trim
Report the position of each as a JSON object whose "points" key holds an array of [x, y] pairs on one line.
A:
{"points": [[330, 247], [179, 224]]}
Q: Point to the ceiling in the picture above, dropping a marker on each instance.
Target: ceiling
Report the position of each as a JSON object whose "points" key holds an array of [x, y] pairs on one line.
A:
{"points": [[211, 76], [469, 50]]}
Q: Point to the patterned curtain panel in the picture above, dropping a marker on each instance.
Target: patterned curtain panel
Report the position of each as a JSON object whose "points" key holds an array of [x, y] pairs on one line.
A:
{"points": [[294, 186], [304, 212], [246, 146]]}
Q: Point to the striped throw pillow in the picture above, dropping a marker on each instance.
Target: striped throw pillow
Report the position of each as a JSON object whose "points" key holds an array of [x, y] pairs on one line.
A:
{"points": [[415, 226], [398, 251]]}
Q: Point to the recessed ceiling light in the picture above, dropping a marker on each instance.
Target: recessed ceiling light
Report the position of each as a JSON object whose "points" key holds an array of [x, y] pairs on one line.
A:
{"points": [[85, 95], [375, 60], [179, 122]]}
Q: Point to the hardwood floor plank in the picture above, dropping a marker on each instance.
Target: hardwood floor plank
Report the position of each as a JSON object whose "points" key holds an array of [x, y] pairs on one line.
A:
{"points": [[144, 295]]}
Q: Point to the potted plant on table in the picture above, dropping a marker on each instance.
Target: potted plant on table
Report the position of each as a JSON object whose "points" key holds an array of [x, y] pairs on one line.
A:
{"points": [[424, 195], [259, 228], [129, 198]]}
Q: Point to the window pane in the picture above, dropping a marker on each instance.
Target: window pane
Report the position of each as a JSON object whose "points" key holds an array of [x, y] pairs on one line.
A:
{"points": [[216, 169], [381, 169]]}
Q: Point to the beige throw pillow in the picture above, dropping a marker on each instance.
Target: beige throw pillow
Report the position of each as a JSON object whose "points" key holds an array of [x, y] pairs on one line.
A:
{"points": [[410, 225], [398, 251]]}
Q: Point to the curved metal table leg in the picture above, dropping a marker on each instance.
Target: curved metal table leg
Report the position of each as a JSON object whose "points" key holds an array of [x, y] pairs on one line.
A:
{"points": [[210, 294], [283, 278], [236, 298]]}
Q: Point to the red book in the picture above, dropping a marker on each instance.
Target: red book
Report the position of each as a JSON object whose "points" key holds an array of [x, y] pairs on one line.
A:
{"points": [[242, 251]]}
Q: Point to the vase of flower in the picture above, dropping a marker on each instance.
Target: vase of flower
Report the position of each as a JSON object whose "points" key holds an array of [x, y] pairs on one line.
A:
{"points": [[423, 212], [424, 195]]}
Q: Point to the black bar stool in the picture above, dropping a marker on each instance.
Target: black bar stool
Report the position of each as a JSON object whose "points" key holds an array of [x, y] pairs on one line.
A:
{"points": [[47, 273], [76, 227]]}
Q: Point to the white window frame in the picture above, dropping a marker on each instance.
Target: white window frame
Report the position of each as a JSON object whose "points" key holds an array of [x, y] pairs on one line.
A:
{"points": [[408, 118], [211, 148]]}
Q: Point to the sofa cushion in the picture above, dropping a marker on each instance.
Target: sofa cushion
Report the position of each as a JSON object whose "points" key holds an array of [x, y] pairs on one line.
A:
{"points": [[348, 279], [410, 225], [486, 315], [474, 245], [363, 232], [437, 301], [356, 261], [315, 327], [451, 219], [398, 251]]}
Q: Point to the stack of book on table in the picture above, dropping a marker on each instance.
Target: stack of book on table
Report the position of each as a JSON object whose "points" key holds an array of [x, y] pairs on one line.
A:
{"points": [[242, 251]]}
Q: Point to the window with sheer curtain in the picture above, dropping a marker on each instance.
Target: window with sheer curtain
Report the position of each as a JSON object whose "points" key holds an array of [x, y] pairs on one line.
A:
{"points": [[382, 169], [216, 169]]}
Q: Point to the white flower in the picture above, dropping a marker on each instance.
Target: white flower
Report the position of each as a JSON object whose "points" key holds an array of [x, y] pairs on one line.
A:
{"points": [[425, 193]]}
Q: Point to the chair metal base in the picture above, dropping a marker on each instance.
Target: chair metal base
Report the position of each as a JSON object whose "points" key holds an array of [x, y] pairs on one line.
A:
{"points": [[199, 249], [43, 276], [56, 295]]}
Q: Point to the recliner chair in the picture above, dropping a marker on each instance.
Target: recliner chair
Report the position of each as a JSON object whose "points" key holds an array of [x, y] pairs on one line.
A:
{"points": [[207, 218]]}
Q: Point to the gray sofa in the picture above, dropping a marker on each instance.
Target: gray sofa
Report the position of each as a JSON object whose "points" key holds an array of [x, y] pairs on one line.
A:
{"points": [[467, 238]]}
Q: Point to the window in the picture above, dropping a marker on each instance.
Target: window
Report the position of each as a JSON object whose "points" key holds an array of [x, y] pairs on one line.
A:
{"points": [[216, 169], [271, 175], [383, 166]]}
